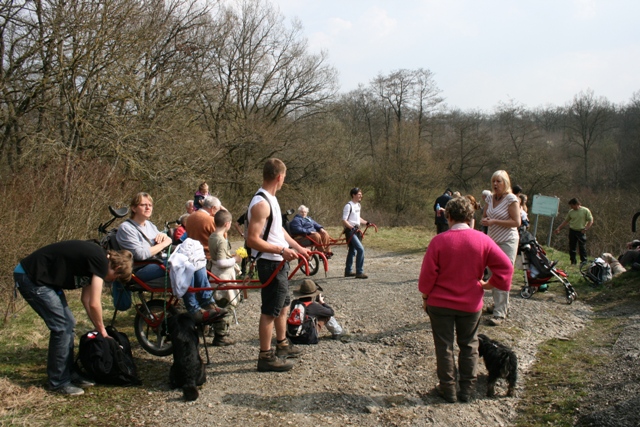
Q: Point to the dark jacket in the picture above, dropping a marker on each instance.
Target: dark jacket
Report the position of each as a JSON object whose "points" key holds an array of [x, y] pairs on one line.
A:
{"points": [[442, 201], [300, 225]]}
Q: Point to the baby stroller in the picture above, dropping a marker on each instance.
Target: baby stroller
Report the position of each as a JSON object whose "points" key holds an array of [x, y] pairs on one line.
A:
{"points": [[538, 270]]}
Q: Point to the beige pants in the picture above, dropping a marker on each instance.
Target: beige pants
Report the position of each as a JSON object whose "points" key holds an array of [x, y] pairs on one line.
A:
{"points": [[501, 298]]}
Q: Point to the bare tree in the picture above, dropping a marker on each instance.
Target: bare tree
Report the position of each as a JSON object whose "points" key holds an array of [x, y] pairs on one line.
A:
{"points": [[261, 82], [589, 120], [467, 147]]}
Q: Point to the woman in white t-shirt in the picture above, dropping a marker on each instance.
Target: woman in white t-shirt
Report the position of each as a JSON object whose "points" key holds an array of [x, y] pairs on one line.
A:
{"points": [[502, 216]]}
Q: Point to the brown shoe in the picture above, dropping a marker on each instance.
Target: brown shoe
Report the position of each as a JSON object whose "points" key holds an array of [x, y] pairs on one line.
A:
{"points": [[361, 276], [495, 321], [288, 350], [349, 274], [268, 361], [222, 341], [448, 395]]}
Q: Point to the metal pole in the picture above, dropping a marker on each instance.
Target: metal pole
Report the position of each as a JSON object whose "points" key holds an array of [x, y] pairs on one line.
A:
{"points": [[550, 232]]}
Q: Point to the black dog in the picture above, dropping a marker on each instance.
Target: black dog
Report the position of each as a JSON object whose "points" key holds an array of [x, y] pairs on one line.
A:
{"points": [[188, 369], [501, 362]]}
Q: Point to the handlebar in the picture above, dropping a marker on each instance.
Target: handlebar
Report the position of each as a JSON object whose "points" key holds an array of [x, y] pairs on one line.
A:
{"points": [[116, 214]]}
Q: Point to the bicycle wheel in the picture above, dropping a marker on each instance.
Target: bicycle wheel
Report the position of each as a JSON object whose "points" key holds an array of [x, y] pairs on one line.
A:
{"points": [[151, 330]]}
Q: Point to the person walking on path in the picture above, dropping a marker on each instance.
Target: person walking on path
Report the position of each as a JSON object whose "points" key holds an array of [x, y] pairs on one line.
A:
{"points": [[580, 220], [438, 207], [270, 244], [502, 217], [351, 220]]}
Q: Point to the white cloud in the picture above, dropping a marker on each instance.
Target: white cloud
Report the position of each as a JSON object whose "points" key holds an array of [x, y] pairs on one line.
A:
{"points": [[377, 23], [585, 9]]}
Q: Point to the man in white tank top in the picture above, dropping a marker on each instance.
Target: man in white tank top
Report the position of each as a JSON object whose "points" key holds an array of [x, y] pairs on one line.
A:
{"points": [[270, 250]]}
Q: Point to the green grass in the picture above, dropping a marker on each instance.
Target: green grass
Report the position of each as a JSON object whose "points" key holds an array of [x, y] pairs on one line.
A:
{"points": [[566, 371]]}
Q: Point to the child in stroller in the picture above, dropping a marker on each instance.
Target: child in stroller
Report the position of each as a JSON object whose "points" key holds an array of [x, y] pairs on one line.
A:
{"points": [[538, 270]]}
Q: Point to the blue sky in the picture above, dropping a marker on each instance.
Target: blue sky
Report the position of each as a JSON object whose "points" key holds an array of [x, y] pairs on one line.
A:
{"points": [[482, 52]]}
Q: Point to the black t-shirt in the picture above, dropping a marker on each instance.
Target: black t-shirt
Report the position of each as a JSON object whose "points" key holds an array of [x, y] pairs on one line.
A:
{"points": [[58, 264]]}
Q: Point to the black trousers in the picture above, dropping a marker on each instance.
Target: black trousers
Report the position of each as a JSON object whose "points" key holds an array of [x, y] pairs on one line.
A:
{"points": [[579, 239]]}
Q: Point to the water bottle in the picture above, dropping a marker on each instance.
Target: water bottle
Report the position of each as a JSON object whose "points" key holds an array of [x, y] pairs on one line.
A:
{"points": [[437, 209]]}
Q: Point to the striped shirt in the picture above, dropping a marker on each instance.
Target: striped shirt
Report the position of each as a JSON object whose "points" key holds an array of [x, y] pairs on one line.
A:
{"points": [[498, 233]]}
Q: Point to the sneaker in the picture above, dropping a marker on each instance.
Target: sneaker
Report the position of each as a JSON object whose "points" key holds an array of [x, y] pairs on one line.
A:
{"points": [[349, 274], [496, 321], [288, 351], [70, 390], [268, 361], [361, 276], [80, 381], [449, 397], [222, 341]]}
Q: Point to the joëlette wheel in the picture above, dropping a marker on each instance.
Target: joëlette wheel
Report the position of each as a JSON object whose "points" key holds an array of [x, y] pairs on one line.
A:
{"points": [[151, 330]]}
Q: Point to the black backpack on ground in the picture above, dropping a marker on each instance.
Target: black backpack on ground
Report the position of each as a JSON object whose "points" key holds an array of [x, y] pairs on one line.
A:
{"points": [[108, 361], [301, 328]]}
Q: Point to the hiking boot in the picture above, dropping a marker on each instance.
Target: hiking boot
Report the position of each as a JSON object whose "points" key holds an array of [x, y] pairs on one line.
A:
{"points": [[222, 341], [287, 350], [495, 321], [446, 395], [361, 276], [268, 361], [349, 274], [70, 390], [80, 381]]}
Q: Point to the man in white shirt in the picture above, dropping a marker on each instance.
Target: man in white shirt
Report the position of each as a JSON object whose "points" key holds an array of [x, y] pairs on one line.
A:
{"points": [[271, 244], [351, 220]]}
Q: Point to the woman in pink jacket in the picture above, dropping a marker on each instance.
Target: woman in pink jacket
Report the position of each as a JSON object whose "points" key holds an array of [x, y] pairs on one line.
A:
{"points": [[452, 291]]}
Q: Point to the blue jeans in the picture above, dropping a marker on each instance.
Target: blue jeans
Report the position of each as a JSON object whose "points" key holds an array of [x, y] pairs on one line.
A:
{"points": [[192, 300], [51, 305], [355, 248]]}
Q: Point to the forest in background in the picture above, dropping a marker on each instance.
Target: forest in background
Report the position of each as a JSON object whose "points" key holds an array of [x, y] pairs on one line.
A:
{"points": [[102, 99]]}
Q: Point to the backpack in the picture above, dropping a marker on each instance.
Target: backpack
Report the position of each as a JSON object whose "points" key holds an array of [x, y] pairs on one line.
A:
{"points": [[108, 361], [301, 328], [598, 272]]}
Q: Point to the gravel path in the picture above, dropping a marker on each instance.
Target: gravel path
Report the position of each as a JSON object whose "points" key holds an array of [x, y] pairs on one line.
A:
{"points": [[381, 376]]}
